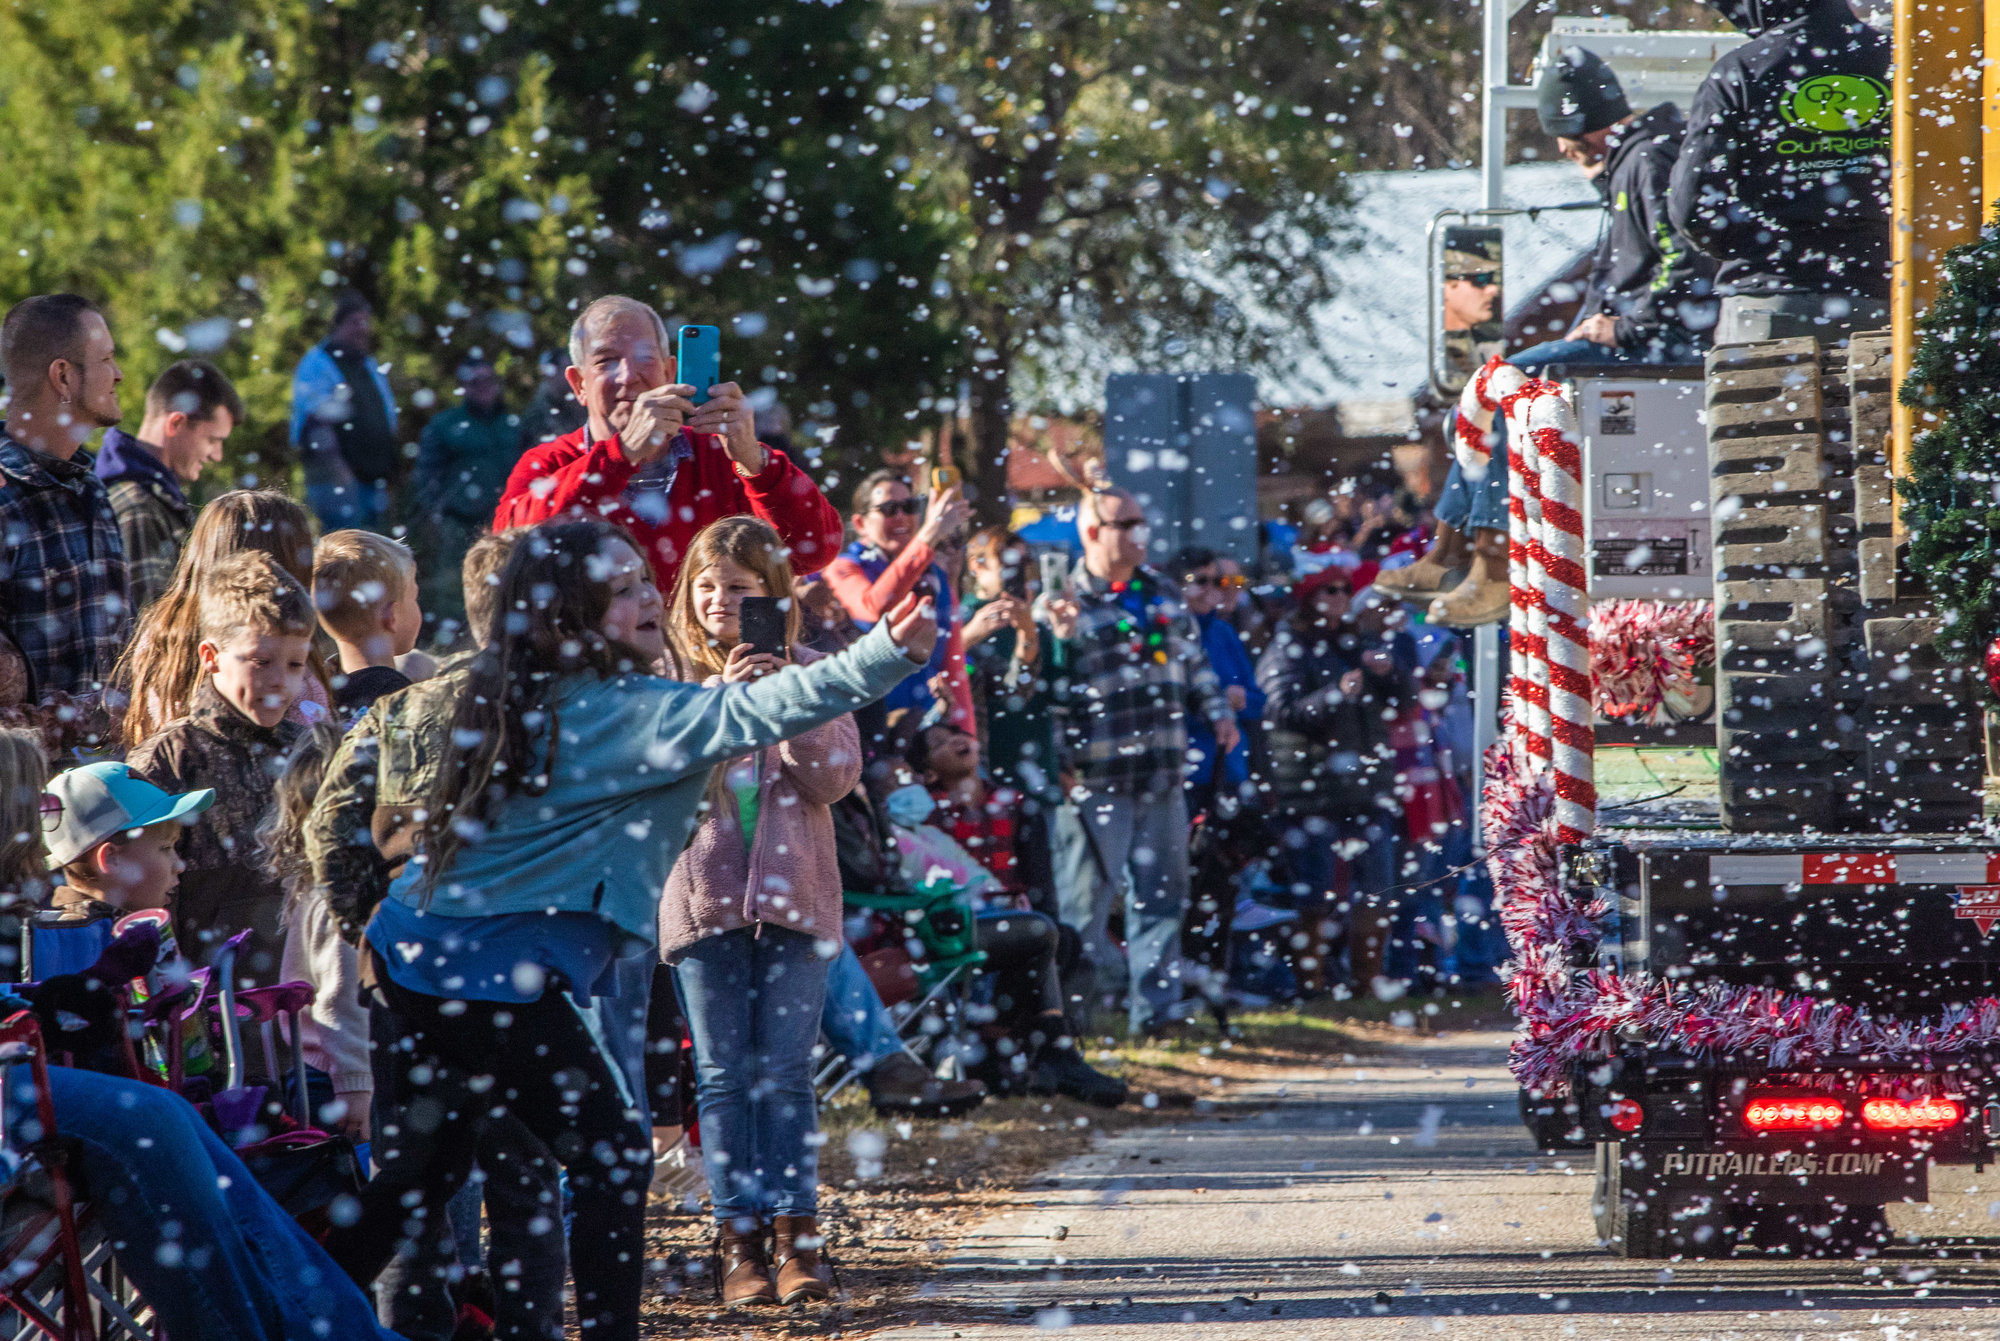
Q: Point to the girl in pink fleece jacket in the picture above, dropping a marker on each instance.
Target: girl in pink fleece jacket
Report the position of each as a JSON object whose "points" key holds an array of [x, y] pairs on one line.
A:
{"points": [[750, 922]]}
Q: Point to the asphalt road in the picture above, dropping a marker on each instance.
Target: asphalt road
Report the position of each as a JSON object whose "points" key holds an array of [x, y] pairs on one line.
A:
{"points": [[1404, 1200]]}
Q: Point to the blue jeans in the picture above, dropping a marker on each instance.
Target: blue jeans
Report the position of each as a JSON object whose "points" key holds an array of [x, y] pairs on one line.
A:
{"points": [[211, 1252], [1141, 844], [854, 1019], [1481, 505], [344, 506], [1314, 847], [753, 999]]}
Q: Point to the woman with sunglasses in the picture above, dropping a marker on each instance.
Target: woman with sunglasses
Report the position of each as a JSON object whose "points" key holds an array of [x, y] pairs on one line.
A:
{"points": [[894, 554]]}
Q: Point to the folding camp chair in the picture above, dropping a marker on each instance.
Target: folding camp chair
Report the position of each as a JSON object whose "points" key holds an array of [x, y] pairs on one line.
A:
{"points": [[57, 1277], [938, 919]]}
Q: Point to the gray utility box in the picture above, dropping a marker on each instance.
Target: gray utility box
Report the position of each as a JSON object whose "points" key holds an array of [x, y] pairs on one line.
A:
{"points": [[1186, 445], [1645, 455]]}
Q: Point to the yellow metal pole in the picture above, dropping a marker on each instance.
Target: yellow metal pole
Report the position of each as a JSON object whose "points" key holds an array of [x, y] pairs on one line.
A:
{"points": [[1989, 113], [1937, 165]]}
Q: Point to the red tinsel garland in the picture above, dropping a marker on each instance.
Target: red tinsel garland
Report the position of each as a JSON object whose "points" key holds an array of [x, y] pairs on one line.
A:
{"points": [[1570, 1010], [1641, 651]]}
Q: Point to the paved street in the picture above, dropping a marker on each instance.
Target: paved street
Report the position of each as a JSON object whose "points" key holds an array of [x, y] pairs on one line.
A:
{"points": [[1403, 1199]]}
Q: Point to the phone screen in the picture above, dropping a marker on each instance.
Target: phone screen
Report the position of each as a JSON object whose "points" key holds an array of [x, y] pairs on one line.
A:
{"points": [[1055, 572], [699, 359], [760, 622]]}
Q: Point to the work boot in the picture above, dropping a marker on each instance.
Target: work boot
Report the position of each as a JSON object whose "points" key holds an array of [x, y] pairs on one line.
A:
{"points": [[901, 1086], [1433, 574], [1483, 597], [802, 1277], [745, 1270], [1060, 1069]]}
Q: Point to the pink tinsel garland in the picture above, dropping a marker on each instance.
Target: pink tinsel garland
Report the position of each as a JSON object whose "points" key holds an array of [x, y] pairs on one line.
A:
{"points": [[1641, 651], [1568, 1013]]}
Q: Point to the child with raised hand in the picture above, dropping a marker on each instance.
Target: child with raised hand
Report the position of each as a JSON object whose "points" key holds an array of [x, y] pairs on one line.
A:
{"points": [[365, 589], [570, 777], [255, 624], [114, 837], [750, 921]]}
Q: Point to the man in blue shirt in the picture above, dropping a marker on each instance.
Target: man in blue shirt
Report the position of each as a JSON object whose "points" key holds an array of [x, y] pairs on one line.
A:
{"points": [[1199, 572]]}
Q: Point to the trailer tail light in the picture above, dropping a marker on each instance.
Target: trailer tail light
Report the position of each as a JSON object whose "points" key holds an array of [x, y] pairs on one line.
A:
{"points": [[1911, 1114], [1624, 1115], [1792, 1114]]}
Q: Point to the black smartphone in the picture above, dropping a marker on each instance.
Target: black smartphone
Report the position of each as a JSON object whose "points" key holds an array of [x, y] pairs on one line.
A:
{"points": [[760, 622]]}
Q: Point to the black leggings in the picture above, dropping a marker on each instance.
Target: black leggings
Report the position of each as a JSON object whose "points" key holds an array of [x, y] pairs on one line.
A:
{"points": [[1021, 957], [446, 1076]]}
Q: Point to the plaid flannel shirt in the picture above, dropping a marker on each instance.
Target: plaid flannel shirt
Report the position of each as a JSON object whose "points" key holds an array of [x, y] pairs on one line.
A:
{"points": [[62, 570], [1125, 685]]}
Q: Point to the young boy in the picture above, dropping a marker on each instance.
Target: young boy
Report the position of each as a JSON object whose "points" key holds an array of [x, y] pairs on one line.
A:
{"points": [[115, 841], [256, 624], [365, 589]]}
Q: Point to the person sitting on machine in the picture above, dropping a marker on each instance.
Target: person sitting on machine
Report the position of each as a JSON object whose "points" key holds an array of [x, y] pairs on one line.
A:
{"points": [[1783, 176], [1647, 301]]}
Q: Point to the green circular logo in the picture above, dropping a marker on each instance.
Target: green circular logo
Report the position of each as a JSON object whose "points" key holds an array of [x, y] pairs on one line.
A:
{"points": [[1836, 102]]}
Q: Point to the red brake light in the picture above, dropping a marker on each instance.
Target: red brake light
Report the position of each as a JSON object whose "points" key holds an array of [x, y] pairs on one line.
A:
{"points": [[1911, 1114], [1625, 1115], [1792, 1114]]}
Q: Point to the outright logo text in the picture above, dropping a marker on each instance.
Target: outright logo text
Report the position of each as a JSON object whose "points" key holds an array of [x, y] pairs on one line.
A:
{"points": [[1770, 1164]]}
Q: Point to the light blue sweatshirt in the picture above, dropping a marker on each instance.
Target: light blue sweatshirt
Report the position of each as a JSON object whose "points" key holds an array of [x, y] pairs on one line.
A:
{"points": [[629, 772]]}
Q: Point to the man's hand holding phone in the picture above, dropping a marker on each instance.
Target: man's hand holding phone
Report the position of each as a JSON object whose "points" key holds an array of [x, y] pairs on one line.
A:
{"points": [[728, 415], [657, 416]]}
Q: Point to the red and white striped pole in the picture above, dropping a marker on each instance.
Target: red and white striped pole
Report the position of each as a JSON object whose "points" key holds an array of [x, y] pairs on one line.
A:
{"points": [[1473, 437], [1543, 411], [1532, 704]]}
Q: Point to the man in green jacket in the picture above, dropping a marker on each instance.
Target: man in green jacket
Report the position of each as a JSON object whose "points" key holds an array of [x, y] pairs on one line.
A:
{"points": [[463, 460]]}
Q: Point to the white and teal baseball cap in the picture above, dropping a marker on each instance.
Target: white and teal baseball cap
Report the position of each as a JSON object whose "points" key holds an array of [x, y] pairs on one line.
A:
{"points": [[100, 801]]}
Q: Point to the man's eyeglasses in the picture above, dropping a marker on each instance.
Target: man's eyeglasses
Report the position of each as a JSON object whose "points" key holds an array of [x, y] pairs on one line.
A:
{"points": [[1122, 523], [52, 812], [1480, 279], [904, 507]]}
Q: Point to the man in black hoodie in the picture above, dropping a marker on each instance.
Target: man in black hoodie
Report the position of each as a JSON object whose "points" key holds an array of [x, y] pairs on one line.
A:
{"points": [[1784, 175], [1647, 301]]}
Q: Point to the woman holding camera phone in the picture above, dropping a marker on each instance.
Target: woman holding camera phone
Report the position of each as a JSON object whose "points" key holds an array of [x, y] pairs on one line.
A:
{"points": [[751, 919]]}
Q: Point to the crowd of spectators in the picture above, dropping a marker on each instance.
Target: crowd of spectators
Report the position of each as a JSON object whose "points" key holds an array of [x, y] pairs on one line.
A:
{"points": [[709, 788]]}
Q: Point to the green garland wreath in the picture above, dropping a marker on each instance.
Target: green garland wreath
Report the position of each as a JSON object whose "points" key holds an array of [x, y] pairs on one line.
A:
{"points": [[1952, 507]]}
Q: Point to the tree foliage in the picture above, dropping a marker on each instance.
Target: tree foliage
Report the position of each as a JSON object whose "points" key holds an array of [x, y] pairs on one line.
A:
{"points": [[1953, 492], [214, 172]]}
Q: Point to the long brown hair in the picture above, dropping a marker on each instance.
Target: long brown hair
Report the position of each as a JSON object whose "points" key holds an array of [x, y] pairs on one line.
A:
{"points": [[24, 773], [159, 668], [281, 834], [750, 544], [551, 606]]}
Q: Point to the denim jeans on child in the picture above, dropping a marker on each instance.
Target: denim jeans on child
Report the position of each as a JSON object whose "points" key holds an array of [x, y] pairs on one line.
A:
{"points": [[854, 1020], [753, 998], [205, 1245]]}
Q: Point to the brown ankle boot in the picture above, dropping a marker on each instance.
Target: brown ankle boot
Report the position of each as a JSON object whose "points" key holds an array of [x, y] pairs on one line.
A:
{"points": [[745, 1270], [801, 1277], [1431, 575], [1483, 598]]}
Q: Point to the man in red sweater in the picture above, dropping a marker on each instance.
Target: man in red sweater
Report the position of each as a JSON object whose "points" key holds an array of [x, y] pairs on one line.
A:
{"points": [[656, 463]]}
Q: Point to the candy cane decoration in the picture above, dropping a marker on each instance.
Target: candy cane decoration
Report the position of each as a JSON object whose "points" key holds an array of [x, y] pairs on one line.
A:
{"points": [[1473, 446], [1524, 462], [1541, 409]]}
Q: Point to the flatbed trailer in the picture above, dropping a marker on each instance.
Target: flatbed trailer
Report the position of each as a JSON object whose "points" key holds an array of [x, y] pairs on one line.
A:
{"points": [[1800, 1146]]}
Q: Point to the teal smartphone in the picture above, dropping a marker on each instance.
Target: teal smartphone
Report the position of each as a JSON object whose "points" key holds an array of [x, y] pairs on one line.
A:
{"points": [[699, 359]]}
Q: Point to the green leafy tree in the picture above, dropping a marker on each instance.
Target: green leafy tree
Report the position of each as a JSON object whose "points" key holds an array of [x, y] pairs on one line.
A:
{"points": [[1953, 490], [1141, 180], [479, 170]]}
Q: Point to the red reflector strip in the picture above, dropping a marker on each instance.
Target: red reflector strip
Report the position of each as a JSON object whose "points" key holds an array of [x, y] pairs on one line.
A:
{"points": [[1910, 1114], [1792, 1114], [1625, 1115], [1848, 868]]}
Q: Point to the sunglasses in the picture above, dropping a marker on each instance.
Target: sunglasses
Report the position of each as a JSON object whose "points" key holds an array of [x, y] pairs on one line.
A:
{"points": [[52, 812], [1124, 523], [903, 507], [1480, 279]]}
